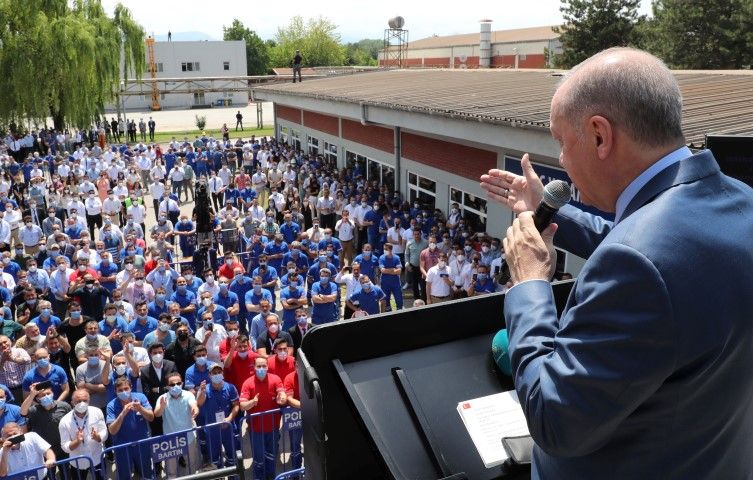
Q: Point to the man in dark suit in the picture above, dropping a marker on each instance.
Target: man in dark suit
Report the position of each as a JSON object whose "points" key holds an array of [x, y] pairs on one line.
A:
{"points": [[154, 380], [646, 373], [300, 328]]}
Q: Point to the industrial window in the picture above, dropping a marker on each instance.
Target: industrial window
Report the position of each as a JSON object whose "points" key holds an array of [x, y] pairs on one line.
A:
{"points": [[295, 139], [380, 172], [284, 134], [522, 57], [226, 66], [189, 66], [159, 67], [472, 207], [313, 145], [330, 153], [422, 189]]}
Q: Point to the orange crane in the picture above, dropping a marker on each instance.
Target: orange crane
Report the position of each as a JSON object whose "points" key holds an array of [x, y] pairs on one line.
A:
{"points": [[153, 73]]}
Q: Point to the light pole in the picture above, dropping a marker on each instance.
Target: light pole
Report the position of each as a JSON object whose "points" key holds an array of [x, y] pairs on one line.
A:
{"points": [[122, 98]]}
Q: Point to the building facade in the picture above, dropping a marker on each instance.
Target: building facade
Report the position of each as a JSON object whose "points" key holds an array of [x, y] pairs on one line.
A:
{"points": [[519, 48], [190, 60]]}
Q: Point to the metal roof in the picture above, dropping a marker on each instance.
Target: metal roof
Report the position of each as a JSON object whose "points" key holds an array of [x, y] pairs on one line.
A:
{"points": [[719, 102], [497, 36]]}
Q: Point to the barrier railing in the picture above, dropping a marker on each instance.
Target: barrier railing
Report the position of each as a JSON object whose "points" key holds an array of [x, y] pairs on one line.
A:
{"points": [[83, 468], [298, 473], [182, 453], [264, 430]]}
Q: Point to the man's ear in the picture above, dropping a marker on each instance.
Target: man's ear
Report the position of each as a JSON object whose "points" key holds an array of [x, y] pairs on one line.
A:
{"points": [[600, 131]]}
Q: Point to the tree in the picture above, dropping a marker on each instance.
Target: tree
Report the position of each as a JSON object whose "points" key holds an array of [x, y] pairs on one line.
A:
{"points": [[62, 59], [363, 52], [257, 52], [593, 25], [707, 34], [317, 40]]}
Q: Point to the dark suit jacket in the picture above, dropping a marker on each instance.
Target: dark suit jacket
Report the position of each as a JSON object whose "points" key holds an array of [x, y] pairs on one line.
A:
{"points": [[150, 382], [646, 374], [295, 333]]}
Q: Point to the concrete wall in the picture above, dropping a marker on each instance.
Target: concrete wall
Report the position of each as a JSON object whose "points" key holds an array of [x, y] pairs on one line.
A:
{"points": [[210, 56]]}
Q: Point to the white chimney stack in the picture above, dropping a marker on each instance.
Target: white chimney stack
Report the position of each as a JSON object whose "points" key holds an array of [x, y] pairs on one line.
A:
{"points": [[485, 44]]}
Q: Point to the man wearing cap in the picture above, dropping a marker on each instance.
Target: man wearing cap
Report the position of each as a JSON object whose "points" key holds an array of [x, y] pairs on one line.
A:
{"points": [[218, 403]]}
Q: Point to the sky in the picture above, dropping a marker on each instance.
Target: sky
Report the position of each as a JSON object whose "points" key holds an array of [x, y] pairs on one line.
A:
{"points": [[355, 21]]}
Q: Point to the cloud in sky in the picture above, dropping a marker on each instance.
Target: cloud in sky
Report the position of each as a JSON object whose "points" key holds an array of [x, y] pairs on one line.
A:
{"points": [[355, 20]]}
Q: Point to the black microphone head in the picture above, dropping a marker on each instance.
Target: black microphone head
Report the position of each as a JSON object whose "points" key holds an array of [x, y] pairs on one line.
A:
{"points": [[556, 194]]}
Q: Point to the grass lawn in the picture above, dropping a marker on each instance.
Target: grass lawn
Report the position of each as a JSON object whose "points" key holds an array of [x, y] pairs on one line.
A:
{"points": [[166, 137]]}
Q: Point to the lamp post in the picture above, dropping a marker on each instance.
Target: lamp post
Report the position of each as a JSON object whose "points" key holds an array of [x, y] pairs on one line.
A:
{"points": [[122, 98], [516, 56]]}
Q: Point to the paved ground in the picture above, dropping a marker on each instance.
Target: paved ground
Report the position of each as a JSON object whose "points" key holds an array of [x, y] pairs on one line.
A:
{"points": [[174, 120]]}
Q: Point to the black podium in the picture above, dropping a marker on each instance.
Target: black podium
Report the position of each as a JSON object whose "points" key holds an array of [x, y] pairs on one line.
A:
{"points": [[379, 394]]}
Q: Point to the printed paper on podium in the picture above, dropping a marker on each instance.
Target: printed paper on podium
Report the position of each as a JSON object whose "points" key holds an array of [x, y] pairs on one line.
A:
{"points": [[489, 419]]}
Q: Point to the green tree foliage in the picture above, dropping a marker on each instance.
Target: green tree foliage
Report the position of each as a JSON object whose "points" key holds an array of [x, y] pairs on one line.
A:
{"points": [[317, 39], [257, 51], [701, 34], [593, 25], [61, 58], [363, 52]]}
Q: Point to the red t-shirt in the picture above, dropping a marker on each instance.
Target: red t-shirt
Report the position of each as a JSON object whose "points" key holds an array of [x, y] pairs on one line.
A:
{"points": [[79, 274], [267, 390], [149, 265], [227, 270], [291, 385], [281, 369], [240, 369]]}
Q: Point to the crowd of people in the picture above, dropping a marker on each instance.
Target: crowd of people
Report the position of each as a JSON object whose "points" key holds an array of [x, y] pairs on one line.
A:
{"points": [[114, 332]]}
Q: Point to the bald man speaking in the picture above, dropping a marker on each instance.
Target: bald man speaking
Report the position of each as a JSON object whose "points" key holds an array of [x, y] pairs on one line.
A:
{"points": [[647, 372]]}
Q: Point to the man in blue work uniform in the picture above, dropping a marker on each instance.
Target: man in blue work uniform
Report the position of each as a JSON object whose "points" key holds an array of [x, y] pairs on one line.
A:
{"points": [[289, 229], [218, 403], [324, 297], [371, 220], [275, 250], [186, 298], [128, 418], [296, 256], [390, 267], [314, 272], [292, 298], [368, 298], [268, 275], [227, 299], [369, 262], [142, 324], [253, 301]]}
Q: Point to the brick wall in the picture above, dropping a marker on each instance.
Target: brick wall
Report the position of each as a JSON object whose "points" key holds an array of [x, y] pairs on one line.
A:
{"points": [[321, 122], [288, 113], [374, 136], [469, 162]]}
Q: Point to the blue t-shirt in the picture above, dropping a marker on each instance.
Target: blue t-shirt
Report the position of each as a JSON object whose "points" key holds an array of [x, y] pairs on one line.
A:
{"points": [[288, 316], [218, 401], [152, 338], [240, 290], [56, 376], [11, 413], [106, 271], [111, 386], [194, 377], [368, 266], [374, 217], [390, 262], [219, 315], [324, 312], [186, 299], [154, 310], [368, 301], [226, 301], [106, 329], [134, 427], [273, 248], [52, 321], [336, 245], [267, 276], [140, 330], [484, 287], [316, 268], [290, 232], [301, 261]]}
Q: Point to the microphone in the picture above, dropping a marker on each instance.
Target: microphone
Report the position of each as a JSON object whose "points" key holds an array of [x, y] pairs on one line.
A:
{"points": [[556, 195]]}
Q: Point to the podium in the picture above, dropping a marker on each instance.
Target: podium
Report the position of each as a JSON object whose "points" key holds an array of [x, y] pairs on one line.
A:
{"points": [[379, 393]]}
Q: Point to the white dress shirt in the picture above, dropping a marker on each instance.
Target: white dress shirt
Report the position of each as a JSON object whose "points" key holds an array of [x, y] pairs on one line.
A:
{"points": [[69, 426]]}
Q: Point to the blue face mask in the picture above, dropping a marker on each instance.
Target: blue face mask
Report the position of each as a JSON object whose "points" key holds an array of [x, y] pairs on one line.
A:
{"points": [[324, 280], [46, 312], [201, 361], [323, 258], [366, 286], [482, 277], [160, 297], [176, 390], [182, 289], [257, 289], [293, 284], [43, 362], [367, 254], [2, 404], [302, 321], [223, 287], [93, 361], [217, 378], [46, 401], [295, 251], [124, 396], [261, 373]]}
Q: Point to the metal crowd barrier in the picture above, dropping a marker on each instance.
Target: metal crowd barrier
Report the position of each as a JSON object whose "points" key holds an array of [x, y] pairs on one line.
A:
{"points": [[285, 424], [210, 449], [62, 470], [298, 473]]}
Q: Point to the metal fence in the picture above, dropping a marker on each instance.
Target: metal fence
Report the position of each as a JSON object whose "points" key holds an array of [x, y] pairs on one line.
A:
{"points": [[83, 468]]}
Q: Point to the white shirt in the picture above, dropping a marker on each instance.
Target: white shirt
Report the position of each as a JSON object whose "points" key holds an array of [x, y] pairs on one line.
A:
{"points": [[279, 200], [120, 191], [345, 230], [143, 163], [461, 274], [257, 213], [352, 283], [111, 206], [156, 189], [439, 287], [213, 345], [138, 212], [395, 237], [4, 232], [215, 184], [168, 205], [93, 206], [360, 213], [68, 428], [259, 180], [225, 175], [31, 452]]}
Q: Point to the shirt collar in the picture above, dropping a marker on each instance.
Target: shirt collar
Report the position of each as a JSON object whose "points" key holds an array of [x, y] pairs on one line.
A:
{"points": [[641, 180]]}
